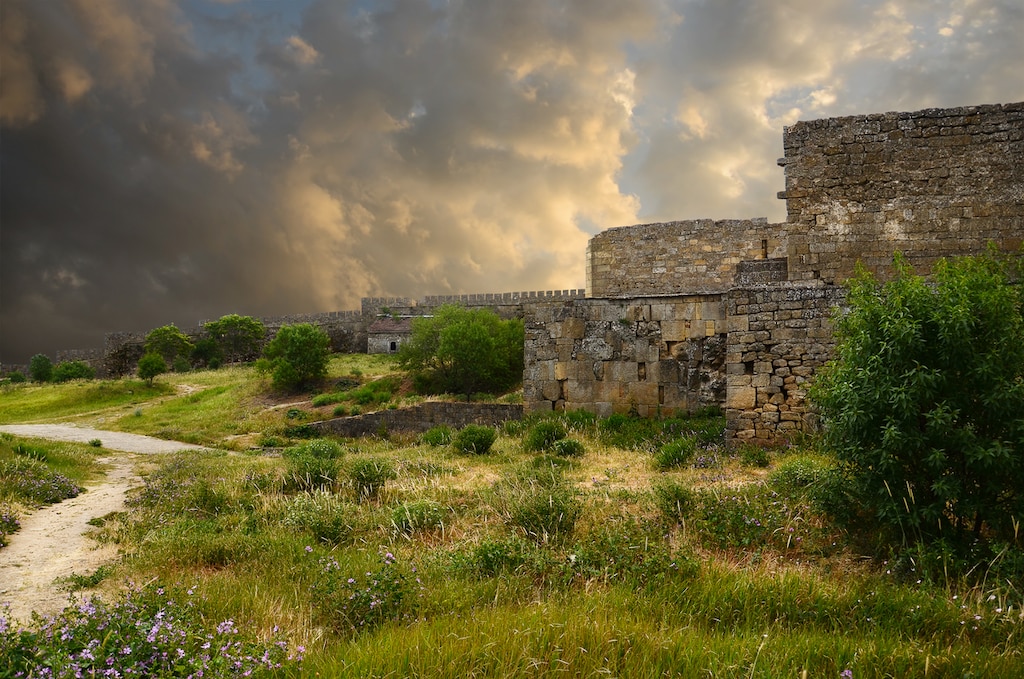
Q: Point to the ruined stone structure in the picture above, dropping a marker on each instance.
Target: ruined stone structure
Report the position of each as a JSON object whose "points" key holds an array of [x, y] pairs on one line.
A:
{"points": [[736, 313]]}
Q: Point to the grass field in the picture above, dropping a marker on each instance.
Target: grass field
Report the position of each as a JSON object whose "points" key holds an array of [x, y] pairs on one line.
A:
{"points": [[398, 557]]}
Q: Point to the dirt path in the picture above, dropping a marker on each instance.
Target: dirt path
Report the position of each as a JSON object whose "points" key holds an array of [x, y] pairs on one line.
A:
{"points": [[52, 542]]}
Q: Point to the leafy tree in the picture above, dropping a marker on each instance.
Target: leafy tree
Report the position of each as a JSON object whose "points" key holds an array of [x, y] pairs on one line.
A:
{"points": [[40, 368], [151, 365], [238, 338], [73, 370], [924, 400], [464, 351], [297, 356], [169, 342]]}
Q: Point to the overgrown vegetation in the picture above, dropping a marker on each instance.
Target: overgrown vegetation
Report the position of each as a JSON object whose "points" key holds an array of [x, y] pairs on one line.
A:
{"points": [[403, 556], [297, 356], [464, 351], [924, 402]]}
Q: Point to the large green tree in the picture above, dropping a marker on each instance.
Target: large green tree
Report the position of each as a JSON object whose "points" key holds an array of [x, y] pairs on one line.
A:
{"points": [[297, 356], [169, 342], [464, 351], [924, 401], [237, 338]]}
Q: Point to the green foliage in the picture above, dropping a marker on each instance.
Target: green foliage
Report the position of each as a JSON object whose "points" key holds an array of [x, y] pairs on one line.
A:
{"points": [[31, 481], [752, 455], [924, 402], [150, 632], [676, 453], [353, 602], [73, 370], [313, 465], [40, 367], [151, 365], [441, 435], [323, 514], [16, 377], [674, 500], [475, 439], [297, 356], [464, 351], [369, 475], [418, 515], [539, 502], [568, 448], [169, 342], [236, 338], [542, 436]]}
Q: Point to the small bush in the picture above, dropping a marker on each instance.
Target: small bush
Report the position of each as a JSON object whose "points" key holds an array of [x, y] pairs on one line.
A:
{"points": [[568, 448], [676, 454], [323, 514], [369, 475], [313, 465], [674, 500], [16, 377], [40, 367], [340, 411], [95, 443], [352, 602], [475, 439], [73, 370], [419, 515], [440, 435], [542, 436], [540, 503], [753, 456]]}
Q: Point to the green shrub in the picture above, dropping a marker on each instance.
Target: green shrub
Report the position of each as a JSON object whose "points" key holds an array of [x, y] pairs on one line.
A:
{"points": [[313, 465], [95, 443], [753, 455], [324, 515], [440, 435], [542, 436], [369, 475], [475, 439], [151, 365], [297, 356], [181, 365], [340, 411], [676, 453], [923, 403], [539, 502], [40, 367], [418, 515], [492, 557], [568, 448], [674, 500], [73, 370], [353, 602], [16, 377]]}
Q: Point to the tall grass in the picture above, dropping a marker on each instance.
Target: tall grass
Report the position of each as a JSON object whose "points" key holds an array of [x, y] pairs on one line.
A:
{"points": [[521, 563]]}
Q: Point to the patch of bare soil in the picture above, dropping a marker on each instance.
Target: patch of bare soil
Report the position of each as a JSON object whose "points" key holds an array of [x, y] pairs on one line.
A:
{"points": [[54, 542]]}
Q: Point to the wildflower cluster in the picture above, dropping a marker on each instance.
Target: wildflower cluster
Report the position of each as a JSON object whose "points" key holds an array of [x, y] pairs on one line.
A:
{"points": [[356, 603], [9, 523], [34, 482], [148, 634]]}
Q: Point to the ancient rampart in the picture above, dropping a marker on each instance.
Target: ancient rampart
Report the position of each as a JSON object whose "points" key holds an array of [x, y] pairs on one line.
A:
{"points": [[935, 183]]}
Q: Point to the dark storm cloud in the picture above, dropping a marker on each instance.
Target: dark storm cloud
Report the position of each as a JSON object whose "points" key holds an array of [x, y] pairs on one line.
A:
{"points": [[173, 161]]}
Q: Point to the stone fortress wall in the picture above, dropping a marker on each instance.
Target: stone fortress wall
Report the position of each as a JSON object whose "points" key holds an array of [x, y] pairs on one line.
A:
{"points": [[735, 313]]}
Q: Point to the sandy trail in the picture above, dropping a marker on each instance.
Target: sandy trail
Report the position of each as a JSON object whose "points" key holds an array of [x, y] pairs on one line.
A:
{"points": [[52, 542]]}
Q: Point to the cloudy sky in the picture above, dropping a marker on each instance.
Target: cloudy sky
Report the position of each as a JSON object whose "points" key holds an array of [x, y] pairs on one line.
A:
{"points": [[177, 160]]}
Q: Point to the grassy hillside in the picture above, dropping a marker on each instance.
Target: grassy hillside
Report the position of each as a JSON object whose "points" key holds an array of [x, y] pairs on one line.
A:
{"points": [[645, 549]]}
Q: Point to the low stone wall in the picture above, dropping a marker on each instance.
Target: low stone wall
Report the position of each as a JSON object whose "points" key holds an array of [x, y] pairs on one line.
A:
{"points": [[420, 418], [779, 336]]}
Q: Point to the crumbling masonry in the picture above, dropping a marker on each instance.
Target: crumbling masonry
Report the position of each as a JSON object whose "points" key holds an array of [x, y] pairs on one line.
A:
{"points": [[683, 315]]}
